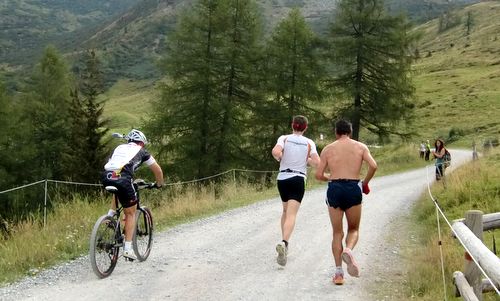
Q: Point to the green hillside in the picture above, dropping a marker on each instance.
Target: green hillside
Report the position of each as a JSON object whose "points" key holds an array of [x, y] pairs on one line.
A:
{"points": [[457, 81], [28, 25], [128, 103], [130, 34], [458, 77], [131, 43]]}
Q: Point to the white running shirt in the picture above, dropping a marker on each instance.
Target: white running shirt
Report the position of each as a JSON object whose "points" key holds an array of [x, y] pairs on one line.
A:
{"points": [[296, 150]]}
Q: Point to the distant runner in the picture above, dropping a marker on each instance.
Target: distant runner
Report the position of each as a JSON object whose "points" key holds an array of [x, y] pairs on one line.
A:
{"points": [[344, 159], [294, 152]]}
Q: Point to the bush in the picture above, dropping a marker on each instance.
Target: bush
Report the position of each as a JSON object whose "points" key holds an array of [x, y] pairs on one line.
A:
{"points": [[455, 134]]}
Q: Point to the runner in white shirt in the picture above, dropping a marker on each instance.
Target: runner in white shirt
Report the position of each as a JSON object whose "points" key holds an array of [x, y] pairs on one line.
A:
{"points": [[294, 152]]}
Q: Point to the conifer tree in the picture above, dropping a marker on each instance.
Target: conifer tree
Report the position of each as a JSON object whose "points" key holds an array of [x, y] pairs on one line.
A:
{"points": [[370, 50], [240, 52], [88, 124], [47, 115], [469, 22], [293, 74], [200, 118], [6, 139]]}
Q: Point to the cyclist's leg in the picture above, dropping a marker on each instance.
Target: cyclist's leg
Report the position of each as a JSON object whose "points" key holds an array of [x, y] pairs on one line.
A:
{"points": [[129, 222]]}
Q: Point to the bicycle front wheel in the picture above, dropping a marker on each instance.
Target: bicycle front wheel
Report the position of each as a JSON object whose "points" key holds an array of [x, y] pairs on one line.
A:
{"points": [[103, 247], [143, 234]]}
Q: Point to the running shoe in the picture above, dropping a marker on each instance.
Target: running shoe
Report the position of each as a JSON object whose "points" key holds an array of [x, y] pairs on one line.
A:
{"points": [[338, 278], [352, 267], [282, 250], [129, 254]]}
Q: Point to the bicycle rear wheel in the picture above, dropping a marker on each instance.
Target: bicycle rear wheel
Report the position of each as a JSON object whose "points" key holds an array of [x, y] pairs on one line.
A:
{"points": [[143, 234], [103, 247]]}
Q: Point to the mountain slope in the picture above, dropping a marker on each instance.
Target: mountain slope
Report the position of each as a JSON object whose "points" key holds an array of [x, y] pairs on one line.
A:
{"points": [[458, 77], [131, 43], [28, 25]]}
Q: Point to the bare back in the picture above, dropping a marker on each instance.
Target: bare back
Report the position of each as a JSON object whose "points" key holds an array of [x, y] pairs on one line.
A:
{"points": [[344, 159]]}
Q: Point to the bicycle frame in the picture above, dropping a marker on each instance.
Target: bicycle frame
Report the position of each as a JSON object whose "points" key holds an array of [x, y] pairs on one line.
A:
{"points": [[107, 236]]}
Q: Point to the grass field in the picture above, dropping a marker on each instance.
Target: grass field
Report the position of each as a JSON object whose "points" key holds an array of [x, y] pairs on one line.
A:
{"points": [[128, 103], [474, 186], [458, 78], [457, 98]]}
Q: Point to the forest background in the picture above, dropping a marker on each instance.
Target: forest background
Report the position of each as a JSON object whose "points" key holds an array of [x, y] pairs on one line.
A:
{"points": [[214, 83]]}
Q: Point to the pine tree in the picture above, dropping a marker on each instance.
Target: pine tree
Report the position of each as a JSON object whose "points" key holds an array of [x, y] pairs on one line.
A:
{"points": [[293, 75], [47, 115], [371, 53], [240, 98], [204, 106], [88, 124], [7, 129], [469, 22]]}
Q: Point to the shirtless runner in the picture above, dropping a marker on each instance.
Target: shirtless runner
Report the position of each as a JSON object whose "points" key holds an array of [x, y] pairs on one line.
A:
{"points": [[344, 159]]}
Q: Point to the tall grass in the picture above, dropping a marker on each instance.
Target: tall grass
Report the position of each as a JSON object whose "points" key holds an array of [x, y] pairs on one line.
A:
{"points": [[474, 186], [397, 157], [30, 247]]}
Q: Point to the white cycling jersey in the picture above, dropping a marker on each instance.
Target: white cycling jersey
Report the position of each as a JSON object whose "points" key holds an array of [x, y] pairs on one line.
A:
{"points": [[128, 157]]}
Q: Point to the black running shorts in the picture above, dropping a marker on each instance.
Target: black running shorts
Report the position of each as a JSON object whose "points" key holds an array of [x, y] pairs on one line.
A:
{"points": [[126, 193], [292, 188], [344, 193]]}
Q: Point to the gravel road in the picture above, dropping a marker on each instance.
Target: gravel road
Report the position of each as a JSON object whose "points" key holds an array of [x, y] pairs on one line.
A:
{"points": [[231, 256]]}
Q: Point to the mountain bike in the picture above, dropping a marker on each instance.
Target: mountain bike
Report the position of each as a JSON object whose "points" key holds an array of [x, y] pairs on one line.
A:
{"points": [[107, 236]]}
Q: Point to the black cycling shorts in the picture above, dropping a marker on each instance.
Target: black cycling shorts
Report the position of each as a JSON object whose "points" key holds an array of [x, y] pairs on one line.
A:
{"points": [[127, 195], [344, 193], [292, 188]]}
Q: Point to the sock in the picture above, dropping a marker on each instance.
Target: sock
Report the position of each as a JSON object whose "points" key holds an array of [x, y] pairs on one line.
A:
{"points": [[111, 212], [286, 243], [339, 270], [128, 246]]}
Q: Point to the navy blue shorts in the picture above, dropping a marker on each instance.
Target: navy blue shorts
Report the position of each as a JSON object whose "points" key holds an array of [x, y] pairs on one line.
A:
{"points": [[126, 194], [344, 193], [292, 188]]}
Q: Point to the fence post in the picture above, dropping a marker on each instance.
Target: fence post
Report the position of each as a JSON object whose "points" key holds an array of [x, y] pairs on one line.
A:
{"points": [[474, 221], [45, 206], [474, 151]]}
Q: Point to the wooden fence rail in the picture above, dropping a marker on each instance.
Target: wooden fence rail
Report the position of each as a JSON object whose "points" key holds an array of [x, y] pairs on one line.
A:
{"points": [[470, 284]]}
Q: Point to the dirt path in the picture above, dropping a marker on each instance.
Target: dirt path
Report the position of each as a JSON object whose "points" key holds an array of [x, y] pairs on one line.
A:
{"points": [[231, 256]]}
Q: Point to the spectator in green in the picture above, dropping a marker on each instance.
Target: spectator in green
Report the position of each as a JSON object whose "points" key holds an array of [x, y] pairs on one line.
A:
{"points": [[427, 151]]}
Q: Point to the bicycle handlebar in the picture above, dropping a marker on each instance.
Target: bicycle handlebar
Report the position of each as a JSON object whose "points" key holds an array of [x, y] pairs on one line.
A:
{"points": [[141, 184]]}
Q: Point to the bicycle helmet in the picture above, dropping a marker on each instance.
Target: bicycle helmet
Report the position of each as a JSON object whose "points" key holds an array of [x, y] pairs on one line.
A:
{"points": [[136, 135]]}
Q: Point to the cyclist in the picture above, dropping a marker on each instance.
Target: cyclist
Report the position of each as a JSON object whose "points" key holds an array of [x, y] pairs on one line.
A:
{"points": [[119, 172]]}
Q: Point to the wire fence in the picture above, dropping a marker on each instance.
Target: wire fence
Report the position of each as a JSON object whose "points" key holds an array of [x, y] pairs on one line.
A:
{"points": [[440, 212], [35, 198]]}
